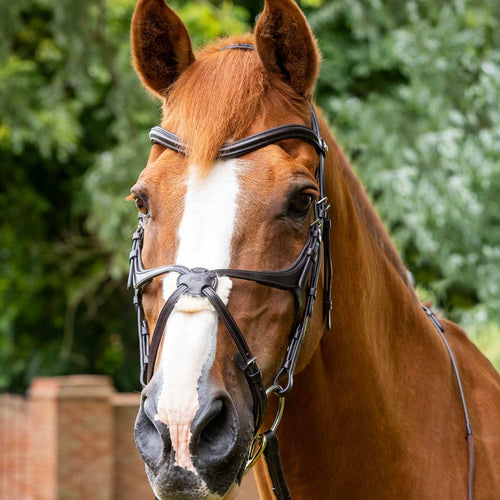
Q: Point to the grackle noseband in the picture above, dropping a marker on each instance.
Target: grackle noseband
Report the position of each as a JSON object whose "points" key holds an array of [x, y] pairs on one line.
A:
{"points": [[301, 278]]}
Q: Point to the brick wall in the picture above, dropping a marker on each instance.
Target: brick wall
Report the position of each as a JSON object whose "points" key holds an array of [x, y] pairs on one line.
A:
{"points": [[83, 454], [72, 439], [14, 449], [126, 470]]}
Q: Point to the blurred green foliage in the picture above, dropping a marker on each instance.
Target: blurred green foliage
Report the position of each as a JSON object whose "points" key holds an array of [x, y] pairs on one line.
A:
{"points": [[73, 138], [411, 89]]}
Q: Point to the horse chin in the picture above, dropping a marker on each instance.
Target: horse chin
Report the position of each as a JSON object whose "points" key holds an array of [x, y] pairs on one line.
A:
{"points": [[195, 490], [177, 483]]}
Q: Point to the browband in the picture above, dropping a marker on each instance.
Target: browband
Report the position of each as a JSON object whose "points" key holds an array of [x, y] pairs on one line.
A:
{"points": [[159, 135]]}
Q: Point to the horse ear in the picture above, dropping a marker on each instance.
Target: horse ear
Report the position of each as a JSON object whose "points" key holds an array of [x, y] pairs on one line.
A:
{"points": [[287, 46], [161, 47]]}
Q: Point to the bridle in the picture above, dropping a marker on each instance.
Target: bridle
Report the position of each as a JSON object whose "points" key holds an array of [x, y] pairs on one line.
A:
{"points": [[301, 278]]}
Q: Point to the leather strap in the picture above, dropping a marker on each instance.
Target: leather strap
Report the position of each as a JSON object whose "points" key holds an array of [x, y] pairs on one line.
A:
{"points": [[161, 323], [468, 428], [245, 361], [275, 467], [236, 149], [240, 46], [292, 278], [470, 447]]}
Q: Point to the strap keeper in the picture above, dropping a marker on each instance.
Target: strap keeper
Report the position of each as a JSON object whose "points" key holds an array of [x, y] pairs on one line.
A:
{"points": [[327, 313], [328, 320], [309, 308], [433, 318]]}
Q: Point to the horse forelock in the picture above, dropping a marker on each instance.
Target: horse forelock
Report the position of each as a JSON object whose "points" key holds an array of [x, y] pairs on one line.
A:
{"points": [[220, 95]]}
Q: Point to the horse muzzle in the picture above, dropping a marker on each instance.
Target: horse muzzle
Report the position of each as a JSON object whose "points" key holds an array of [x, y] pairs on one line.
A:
{"points": [[198, 459]]}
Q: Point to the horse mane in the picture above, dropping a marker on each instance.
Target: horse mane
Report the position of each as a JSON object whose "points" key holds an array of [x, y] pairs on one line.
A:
{"points": [[218, 96], [369, 216]]}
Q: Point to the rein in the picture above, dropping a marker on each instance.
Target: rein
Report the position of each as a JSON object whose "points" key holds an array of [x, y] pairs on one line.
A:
{"points": [[469, 436], [301, 279]]}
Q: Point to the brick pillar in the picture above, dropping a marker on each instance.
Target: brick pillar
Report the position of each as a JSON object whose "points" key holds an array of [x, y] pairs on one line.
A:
{"points": [[71, 438], [130, 480]]}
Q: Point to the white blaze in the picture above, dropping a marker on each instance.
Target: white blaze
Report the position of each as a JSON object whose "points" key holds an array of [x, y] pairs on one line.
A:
{"points": [[205, 236]]}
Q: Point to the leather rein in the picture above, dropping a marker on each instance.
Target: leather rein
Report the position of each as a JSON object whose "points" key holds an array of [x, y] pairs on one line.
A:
{"points": [[301, 279]]}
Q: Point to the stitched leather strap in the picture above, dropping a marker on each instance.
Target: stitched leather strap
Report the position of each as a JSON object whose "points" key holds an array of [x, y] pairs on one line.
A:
{"points": [[292, 278], [468, 428], [239, 46], [236, 149], [245, 362], [161, 323]]}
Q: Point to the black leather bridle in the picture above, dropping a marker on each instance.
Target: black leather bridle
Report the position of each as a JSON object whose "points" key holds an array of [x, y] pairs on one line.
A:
{"points": [[301, 278]]}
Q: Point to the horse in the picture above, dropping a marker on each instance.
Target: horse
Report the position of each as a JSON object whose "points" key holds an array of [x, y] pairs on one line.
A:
{"points": [[260, 263]]}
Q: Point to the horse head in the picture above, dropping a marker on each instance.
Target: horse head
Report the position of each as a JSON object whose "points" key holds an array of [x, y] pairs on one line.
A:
{"points": [[226, 257]]}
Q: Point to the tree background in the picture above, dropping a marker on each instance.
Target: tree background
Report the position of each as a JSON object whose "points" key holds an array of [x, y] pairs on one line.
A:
{"points": [[411, 90]]}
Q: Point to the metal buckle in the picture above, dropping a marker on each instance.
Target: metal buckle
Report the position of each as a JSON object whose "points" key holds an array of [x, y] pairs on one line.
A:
{"points": [[321, 212], [257, 447], [259, 442]]}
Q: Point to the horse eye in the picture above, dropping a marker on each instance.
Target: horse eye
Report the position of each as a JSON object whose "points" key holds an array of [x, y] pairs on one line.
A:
{"points": [[141, 206], [300, 203]]}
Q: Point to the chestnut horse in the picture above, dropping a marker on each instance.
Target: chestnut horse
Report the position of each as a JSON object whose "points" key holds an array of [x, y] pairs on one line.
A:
{"points": [[376, 410]]}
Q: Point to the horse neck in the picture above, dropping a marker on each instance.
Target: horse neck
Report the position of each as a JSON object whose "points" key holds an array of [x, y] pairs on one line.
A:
{"points": [[374, 303], [355, 388]]}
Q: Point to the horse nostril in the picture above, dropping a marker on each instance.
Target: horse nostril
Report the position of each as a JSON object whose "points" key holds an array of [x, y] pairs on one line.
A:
{"points": [[151, 436], [215, 426], [215, 430]]}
